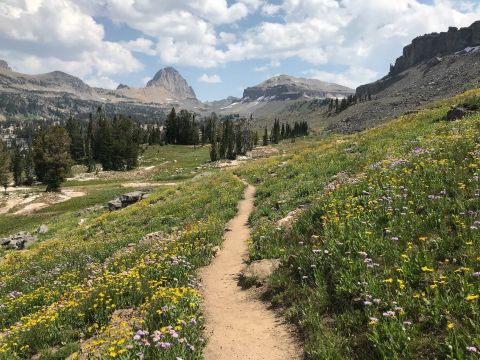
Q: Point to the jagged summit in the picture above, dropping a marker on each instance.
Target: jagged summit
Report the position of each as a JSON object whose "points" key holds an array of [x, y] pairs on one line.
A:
{"points": [[122, 86], [4, 65], [170, 79]]}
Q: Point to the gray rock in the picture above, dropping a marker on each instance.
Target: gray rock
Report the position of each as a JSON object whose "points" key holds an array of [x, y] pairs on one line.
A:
{"points": [[261, 270], [42, 229], [18, 241], [131, 197], [114, 204], [127, 199], [456, 113]]}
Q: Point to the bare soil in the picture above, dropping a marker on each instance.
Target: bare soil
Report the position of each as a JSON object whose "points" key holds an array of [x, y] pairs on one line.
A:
{"points": [[238, 324]]}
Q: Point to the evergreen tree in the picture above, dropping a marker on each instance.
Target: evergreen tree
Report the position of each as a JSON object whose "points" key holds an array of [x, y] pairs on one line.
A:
{"points": [[38, 154], [89, 144], [55, 157], [171, 127], [230, 140], [29, 167], [17, 166], [265, 138], [77, 140], [4, 166]]}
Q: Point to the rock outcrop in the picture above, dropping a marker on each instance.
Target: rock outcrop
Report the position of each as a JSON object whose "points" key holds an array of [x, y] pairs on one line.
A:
{"points": [[127, 199], [285, 87], [17, 241], [438, 44], [428, 49], [171, 80], [4, 65], [259, 271]]}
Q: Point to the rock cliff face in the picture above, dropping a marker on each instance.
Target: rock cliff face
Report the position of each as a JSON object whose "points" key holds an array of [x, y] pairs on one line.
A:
{"points": [[170, 79], [428, 49], [429, 46], [4, 65], [285, 87]]}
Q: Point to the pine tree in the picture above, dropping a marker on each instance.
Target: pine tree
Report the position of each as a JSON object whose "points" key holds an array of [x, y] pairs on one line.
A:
{"points": [[38, 154], [89, 145], [4, 166], [17, 166], [55, 157], [171, 127], [77, 144], [230, 141], [265, 137], [29, 167]]}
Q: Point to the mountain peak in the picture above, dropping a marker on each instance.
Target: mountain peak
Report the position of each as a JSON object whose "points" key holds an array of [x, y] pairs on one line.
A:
{"points": [[170, 79], [4, 65], [282, 87]]}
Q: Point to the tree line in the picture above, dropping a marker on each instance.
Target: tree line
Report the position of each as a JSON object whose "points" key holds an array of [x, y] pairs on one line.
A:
{"points": [[51, 150], [284, 131], [344, 103]]}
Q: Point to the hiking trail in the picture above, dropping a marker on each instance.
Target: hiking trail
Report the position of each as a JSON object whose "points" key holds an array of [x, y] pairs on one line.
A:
{"points": [[238, 325]]}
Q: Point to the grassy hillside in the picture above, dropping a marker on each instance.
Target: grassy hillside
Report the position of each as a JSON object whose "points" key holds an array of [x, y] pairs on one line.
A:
{"points": [[383, 259], [58, 294]]}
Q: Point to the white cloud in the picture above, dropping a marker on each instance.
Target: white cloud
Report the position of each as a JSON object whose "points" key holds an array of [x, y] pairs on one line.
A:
{"points": [[273, 63], [41, 36], [352, 77], [213, 79], [102, 82], [140, 45]]}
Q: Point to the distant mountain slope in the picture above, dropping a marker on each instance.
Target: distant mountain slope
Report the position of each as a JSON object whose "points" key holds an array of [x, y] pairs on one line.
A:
{"points": [[273, 96], [56, 94], [433, 66], [285, 87]]}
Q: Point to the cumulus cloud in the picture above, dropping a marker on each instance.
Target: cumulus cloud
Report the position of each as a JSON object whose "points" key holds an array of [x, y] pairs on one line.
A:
{"points": [[102, 82], [40, 36], [213, 79], [352, 77], [140, 45], [359, 34]]}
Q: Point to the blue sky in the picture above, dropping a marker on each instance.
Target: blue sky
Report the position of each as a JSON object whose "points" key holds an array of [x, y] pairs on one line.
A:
{"points": [[219, 46]]}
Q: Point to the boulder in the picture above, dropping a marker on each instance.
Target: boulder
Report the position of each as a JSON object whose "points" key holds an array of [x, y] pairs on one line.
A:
{"points": [[18, 241], [42, 229], [127, 199], [132, 197], [114, 204], [456, 113], [259, 271]]}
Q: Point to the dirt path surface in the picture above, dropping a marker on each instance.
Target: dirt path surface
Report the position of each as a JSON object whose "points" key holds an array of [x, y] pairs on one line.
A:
{"points": [[238, 325]]}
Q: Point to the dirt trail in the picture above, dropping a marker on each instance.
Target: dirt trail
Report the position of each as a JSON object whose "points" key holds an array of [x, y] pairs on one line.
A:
{"points": [[238, 325]]}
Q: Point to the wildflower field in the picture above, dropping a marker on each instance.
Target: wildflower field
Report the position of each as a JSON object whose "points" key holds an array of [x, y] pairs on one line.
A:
{"points": [[105, 290], [382, 260]]}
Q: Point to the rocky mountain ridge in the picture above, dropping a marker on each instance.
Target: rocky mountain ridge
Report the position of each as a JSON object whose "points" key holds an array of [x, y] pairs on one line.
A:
{"points": [[286, 87], [56, 94], [429, 48], [432, 67]]}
